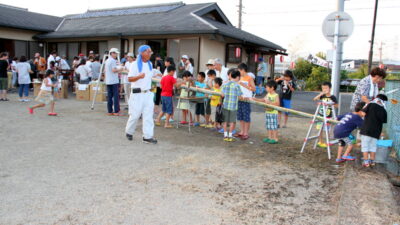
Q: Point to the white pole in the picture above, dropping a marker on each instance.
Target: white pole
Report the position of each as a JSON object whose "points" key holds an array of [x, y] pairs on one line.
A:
{"points": [[337, 57]]}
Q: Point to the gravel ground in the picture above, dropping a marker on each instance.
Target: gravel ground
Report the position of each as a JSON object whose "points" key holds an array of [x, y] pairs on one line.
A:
{"points": [[78, 168]]}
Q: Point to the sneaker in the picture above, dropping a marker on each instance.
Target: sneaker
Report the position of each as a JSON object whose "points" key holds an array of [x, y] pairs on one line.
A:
{"points": [[30, 110], [322, 145], [348, 158], [129, 137], [273, 141], [209, 126], [266, 140], [171, 120], [234, 132], [149, 141], [183, 122], [21, 100], [340, 160], [221, 131], [372, 162], [203, 125], [196, 124], [365, 163], [163, 118], [27, 100], [226, 139]]}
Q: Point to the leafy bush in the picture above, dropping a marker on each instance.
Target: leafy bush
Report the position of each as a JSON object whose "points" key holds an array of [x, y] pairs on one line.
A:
{"points": [[317, 77], [303, 69], [360, 73]]}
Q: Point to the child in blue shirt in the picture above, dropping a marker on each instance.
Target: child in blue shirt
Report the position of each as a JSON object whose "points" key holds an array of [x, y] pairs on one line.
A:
{"points": [[200, 105], [348, 122]]}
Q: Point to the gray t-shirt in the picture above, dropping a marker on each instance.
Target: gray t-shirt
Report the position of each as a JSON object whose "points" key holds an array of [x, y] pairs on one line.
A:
{"points": [[95, 66], [111, 77]]}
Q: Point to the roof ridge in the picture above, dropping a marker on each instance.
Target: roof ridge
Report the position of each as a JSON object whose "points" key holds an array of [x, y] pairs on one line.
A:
{"points": [[26, 10], [135, 7], [193, 13]]}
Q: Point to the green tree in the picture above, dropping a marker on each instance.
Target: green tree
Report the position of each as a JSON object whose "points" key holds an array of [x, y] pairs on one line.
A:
{"points": [[317, 77], [303, 69], [360, 73]]}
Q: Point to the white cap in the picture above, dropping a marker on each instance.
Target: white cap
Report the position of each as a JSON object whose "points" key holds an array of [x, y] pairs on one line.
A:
{"points": [[115, 50], [58, 58], [131, 55], [185, 57], [91, 52], [210, 62]]}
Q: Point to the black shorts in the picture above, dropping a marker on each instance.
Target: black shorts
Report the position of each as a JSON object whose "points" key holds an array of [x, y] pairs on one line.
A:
{"points": [[208, 107], [157, 99], [200, 108]]}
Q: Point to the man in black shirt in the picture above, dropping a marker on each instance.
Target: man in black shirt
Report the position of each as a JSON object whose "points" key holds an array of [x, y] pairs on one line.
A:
{"points": [[371, 130], [4, 66]]}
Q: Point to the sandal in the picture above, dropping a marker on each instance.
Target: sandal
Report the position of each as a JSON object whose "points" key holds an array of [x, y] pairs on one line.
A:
{"points": [[169, 126], [238, 135], [244, 137], [52, 114], [157, 123], [266, 140], [30, 110]]}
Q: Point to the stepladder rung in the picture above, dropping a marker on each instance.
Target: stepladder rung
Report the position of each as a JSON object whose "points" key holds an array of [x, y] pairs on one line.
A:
{"points": [[311, 138]]}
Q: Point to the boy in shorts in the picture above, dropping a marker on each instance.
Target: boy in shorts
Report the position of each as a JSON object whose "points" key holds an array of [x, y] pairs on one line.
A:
{"points": [[347, 123]]}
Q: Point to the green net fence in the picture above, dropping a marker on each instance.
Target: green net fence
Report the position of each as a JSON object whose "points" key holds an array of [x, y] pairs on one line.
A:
{"points": [[393, 110]]}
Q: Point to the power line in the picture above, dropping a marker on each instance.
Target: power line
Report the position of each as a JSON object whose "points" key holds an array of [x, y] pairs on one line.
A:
{"points": [[320, 10], [316, 25]]}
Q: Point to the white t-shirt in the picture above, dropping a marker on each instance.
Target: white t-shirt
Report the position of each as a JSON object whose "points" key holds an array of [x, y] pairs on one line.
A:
{"points": [[14, 66], [145, 83], [51, 58], [44, 87], [189, 67], [83, 71], [125, 76], [111, 77], [23, 69], [64, 65], [223, 74]]}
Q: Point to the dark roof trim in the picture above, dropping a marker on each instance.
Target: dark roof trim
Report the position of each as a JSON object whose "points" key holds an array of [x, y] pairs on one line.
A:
{"points": [[211, 7]]}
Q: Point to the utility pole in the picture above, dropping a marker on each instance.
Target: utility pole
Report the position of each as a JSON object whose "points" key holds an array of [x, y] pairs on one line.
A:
{"points": [[240, 14], [337, 57], [380, 52], [371, 48]]}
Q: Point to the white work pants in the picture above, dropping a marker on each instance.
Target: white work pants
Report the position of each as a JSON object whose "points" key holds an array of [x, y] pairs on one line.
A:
{"points": [[141, 104]]}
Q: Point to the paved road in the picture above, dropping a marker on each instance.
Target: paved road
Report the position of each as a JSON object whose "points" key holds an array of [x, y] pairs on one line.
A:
{"points": [[302, 101]]}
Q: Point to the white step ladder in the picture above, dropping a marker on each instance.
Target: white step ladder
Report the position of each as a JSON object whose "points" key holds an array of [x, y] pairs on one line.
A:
{"points": [[321, 106]]}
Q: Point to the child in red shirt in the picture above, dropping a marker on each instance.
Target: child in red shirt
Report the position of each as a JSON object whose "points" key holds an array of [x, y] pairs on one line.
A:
{"points": [[167, 85]]}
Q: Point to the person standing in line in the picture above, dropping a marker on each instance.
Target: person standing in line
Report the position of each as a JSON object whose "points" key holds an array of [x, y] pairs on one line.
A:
{"points": [[127, 84], [95, 67], [4, 66], [221, 70], [112, 81], [52, 58], [141, 102], [24, 79]]}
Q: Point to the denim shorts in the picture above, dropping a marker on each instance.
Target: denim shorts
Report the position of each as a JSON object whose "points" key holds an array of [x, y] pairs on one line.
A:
{"points": [[286, 103], [244, 111], [167, 105]]}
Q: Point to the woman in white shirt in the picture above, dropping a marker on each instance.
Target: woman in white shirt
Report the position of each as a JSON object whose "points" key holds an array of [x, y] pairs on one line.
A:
{"points": [[83, 72], [23, 69]]}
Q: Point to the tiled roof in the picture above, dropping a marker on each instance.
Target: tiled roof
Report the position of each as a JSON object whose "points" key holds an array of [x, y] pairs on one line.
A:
{"points": [[23, 19]]}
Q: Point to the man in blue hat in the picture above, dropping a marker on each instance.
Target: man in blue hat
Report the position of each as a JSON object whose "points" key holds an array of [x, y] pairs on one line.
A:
{"points": [[141, 100]]}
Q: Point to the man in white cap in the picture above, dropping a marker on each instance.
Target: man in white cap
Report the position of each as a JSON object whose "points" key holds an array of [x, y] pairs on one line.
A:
{"points": [[221, 70], [111, 71], [141, 100], [210, 66]]}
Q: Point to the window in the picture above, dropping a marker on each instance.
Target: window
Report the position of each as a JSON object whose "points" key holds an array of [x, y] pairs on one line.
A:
{"points": [[234, 53]]}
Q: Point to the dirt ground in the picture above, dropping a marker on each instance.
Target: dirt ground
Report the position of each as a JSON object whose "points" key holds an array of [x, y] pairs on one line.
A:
{"points": [[78, 168]]}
